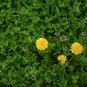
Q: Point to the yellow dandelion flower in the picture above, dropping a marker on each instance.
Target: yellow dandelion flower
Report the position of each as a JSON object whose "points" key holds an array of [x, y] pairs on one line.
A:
{"points": [[62, 59], [76, 48], [41, 44]]}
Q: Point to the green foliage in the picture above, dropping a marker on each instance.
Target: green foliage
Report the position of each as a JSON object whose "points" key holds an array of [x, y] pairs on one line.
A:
{"points": [[61, 22]]}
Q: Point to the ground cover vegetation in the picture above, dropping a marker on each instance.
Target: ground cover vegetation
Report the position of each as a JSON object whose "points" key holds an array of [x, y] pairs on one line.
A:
{"points": [[43, 43]]}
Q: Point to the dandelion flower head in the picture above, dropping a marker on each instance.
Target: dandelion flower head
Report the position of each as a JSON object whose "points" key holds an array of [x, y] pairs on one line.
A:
{"points": [[62, 59], [41, 44], [76, 48]]}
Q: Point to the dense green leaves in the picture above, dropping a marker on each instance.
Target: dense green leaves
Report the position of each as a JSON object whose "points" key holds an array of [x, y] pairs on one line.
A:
{"points": [[61, 22]]}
